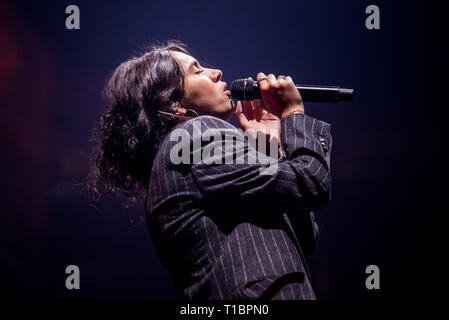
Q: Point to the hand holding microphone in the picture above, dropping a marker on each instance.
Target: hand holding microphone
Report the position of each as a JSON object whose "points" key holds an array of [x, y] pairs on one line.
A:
{"points": [[279, 95], [246, 89]]}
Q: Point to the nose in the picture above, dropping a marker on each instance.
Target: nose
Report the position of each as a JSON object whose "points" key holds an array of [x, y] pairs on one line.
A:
{"points": [[216, 75]]}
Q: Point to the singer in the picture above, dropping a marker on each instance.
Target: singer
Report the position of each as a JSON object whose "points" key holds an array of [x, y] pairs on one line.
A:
{"points": [[223, 230]]}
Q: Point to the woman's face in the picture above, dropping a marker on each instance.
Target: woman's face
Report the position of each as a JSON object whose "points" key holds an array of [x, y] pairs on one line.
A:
{"points": [[204, 91]]}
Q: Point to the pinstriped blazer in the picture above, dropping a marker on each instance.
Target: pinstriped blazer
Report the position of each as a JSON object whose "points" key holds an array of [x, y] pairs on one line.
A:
{"points": [[226, 231]]}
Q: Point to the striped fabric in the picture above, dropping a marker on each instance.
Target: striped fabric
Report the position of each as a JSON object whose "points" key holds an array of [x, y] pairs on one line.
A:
{"points": [[225, 231]]}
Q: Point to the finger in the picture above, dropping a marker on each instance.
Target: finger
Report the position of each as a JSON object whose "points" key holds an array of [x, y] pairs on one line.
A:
{"points": [[281, 80], [238, 109], [243, 121], [262, 79], [248, 109], [258, 111], [258, 103], [272, 81], [250, 78], [288, 79], [257, 108]]}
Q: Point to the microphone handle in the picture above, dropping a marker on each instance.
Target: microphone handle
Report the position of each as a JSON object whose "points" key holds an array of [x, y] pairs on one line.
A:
{"points": [[244, 89], [313, 93]]}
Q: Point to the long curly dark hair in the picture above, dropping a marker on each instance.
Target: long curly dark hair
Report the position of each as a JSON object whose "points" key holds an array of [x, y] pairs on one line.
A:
{"points": [[125, 143]]}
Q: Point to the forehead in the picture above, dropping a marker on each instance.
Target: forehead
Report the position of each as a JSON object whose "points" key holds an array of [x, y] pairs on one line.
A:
{"points": [[184, 59]]}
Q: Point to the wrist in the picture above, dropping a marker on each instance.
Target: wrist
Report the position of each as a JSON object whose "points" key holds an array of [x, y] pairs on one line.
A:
{"points": [[290, 111]]}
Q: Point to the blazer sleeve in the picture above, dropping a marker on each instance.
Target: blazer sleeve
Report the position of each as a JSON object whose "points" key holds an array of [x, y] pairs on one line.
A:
{"points": [[300, 178]]}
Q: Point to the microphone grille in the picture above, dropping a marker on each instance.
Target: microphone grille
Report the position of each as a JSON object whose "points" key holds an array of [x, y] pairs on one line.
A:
{"points": [[244, 89], [238, 89]]}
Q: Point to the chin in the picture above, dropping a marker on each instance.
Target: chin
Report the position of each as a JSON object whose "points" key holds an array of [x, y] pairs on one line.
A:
{"points": [[224, 111]]}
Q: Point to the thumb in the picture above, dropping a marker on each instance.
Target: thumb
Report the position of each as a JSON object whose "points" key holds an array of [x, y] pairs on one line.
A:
{"points": [[243, 121]]}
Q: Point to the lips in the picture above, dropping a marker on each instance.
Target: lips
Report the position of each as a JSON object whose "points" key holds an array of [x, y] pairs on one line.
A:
{"points": [[226, 92]]}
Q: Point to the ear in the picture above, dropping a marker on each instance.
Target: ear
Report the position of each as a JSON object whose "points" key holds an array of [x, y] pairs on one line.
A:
{"points": [[180, 111]]}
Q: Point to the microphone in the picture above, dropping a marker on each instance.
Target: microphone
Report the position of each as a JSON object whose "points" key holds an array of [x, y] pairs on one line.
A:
{"points": [[245, 89]]}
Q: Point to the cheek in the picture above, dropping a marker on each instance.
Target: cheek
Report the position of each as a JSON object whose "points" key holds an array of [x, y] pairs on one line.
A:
{"points": [[201, 91], [207, 87]]}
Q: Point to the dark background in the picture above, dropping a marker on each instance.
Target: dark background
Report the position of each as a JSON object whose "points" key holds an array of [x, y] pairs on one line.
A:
{"points": [[387, 158]]}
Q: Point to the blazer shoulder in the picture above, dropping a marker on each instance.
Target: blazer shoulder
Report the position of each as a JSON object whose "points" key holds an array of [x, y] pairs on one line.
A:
{"points": [[189, 129]]}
